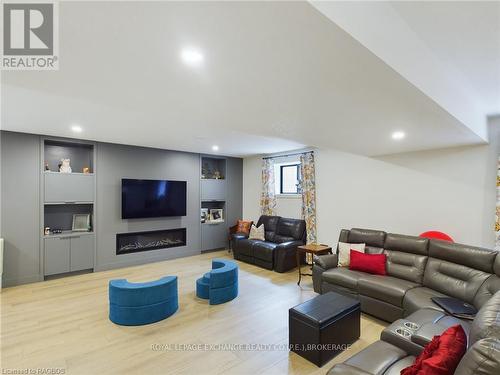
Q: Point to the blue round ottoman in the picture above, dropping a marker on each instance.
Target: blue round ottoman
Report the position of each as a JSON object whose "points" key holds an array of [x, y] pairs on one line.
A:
{"points": [[134, 304], [220, 284]]}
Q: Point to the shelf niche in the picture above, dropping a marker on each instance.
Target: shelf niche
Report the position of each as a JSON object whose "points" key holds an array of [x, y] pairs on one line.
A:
{"points": [[212, 167], [81, 155], [60, 216]]}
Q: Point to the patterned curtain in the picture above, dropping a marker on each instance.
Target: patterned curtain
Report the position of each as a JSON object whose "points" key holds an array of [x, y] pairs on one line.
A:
{"points": [[308, 189], [268, 197], [497, 222]]}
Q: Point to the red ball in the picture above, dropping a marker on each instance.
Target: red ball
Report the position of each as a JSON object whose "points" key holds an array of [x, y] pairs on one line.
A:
{"points": [[434, 234]]}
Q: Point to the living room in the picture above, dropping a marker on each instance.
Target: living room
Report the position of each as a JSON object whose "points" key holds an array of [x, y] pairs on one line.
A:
{"points": [[250, 187]]}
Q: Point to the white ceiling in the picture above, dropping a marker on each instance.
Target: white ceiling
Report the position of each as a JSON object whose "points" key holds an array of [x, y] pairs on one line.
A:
{"points": [[277, 76], [465, 36]]}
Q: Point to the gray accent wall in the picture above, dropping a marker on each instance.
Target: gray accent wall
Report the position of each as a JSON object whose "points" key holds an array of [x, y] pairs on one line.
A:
{"points": [[20, 202], [115, 162], [20, 195]]}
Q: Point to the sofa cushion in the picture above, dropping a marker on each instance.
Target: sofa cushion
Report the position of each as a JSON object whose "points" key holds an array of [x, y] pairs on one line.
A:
{"points": [[245, 246], [406, 266], [470, 256], [344, 252], [385, 288], [487, 320], [291, 228], [454, 280], [376, 358], [370, 237], [406, 244], [243, 226], [486, 291], [371, 263], [442, 355], [343, 277], [419, 298], [270, 224], [264, 250], [483, 358], [280, 239], [257, 233]]}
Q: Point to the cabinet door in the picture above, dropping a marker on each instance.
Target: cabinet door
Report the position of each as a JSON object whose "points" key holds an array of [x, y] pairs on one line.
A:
{"points": [[82, 252], [69, 187], [56, 255], [214, 236], [213, 190]]}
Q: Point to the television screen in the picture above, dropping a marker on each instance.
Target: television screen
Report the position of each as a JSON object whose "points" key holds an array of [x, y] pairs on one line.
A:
{"points": [[153, 198]]}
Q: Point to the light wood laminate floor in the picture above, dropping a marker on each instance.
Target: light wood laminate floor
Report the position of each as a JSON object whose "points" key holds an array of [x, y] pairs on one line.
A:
{"points": [[63, 324]]}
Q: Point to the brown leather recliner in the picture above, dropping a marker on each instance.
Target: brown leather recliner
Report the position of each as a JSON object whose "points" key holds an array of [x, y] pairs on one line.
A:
{"points": [[278, 251]]}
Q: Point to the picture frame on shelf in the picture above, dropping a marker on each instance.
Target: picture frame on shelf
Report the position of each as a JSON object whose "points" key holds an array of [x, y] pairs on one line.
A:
{"points": [[81, 223], [204, 217], [216, 215]]}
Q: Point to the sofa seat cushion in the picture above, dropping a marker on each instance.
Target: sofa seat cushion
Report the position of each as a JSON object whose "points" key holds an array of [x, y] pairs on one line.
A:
{"points": [[264, 250], [420, 298], [385, 288], [343, 277], [245, 246], [342, 369], [376, 358], [396, 368]]}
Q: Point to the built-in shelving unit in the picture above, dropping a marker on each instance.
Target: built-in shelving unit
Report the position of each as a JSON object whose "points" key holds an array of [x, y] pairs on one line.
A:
{"points": [[213, 188], [64, 195]]}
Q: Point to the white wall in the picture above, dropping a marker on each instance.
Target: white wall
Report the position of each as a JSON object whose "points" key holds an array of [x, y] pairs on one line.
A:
{"points": [[452, 190]]}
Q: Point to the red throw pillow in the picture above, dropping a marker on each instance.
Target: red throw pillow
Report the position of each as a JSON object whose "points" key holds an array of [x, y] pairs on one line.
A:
{"points": [[442, 355], [244, 226], [371, 263]]}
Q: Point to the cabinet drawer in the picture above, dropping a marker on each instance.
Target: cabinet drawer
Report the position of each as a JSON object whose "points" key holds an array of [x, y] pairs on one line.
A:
{"points": [[56, 255], [82, 253], [213, 190], [69, 187], [214, 236]]}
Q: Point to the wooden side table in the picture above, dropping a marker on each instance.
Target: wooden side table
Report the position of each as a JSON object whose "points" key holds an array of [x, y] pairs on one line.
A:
{"points": [[314, 249]]}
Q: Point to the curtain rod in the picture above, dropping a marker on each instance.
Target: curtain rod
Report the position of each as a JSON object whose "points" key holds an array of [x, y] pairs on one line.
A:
{"points": [[286, 155]]}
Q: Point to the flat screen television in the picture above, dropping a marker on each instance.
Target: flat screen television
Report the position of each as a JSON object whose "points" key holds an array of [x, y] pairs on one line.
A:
{"points": [[153, 198]]}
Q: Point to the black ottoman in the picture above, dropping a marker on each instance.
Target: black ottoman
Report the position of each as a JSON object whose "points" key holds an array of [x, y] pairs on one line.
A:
{"points": [[324, 326]]}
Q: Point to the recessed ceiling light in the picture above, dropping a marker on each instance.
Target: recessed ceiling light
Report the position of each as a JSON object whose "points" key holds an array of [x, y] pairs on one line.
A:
{"points": [[398, 135], [215, 148], [192, 56], [76, 128]]}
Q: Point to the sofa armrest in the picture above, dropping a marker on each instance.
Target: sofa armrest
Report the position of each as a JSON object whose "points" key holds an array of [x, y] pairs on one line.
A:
{"points": [[285, 256], [326, 261], [239, 236], [426, 332]]}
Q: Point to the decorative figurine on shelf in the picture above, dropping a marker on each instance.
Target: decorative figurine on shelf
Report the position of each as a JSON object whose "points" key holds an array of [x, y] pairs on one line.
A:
{"points": [[47, 166], [64, 166], [86, 170], [217, 175], [47, 231]]}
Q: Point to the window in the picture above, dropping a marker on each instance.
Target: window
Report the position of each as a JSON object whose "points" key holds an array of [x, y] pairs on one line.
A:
{"points": [[289, 179]]}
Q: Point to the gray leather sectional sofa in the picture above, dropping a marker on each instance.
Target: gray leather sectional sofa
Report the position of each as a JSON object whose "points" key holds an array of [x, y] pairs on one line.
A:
{"points": [[417, 270]]}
